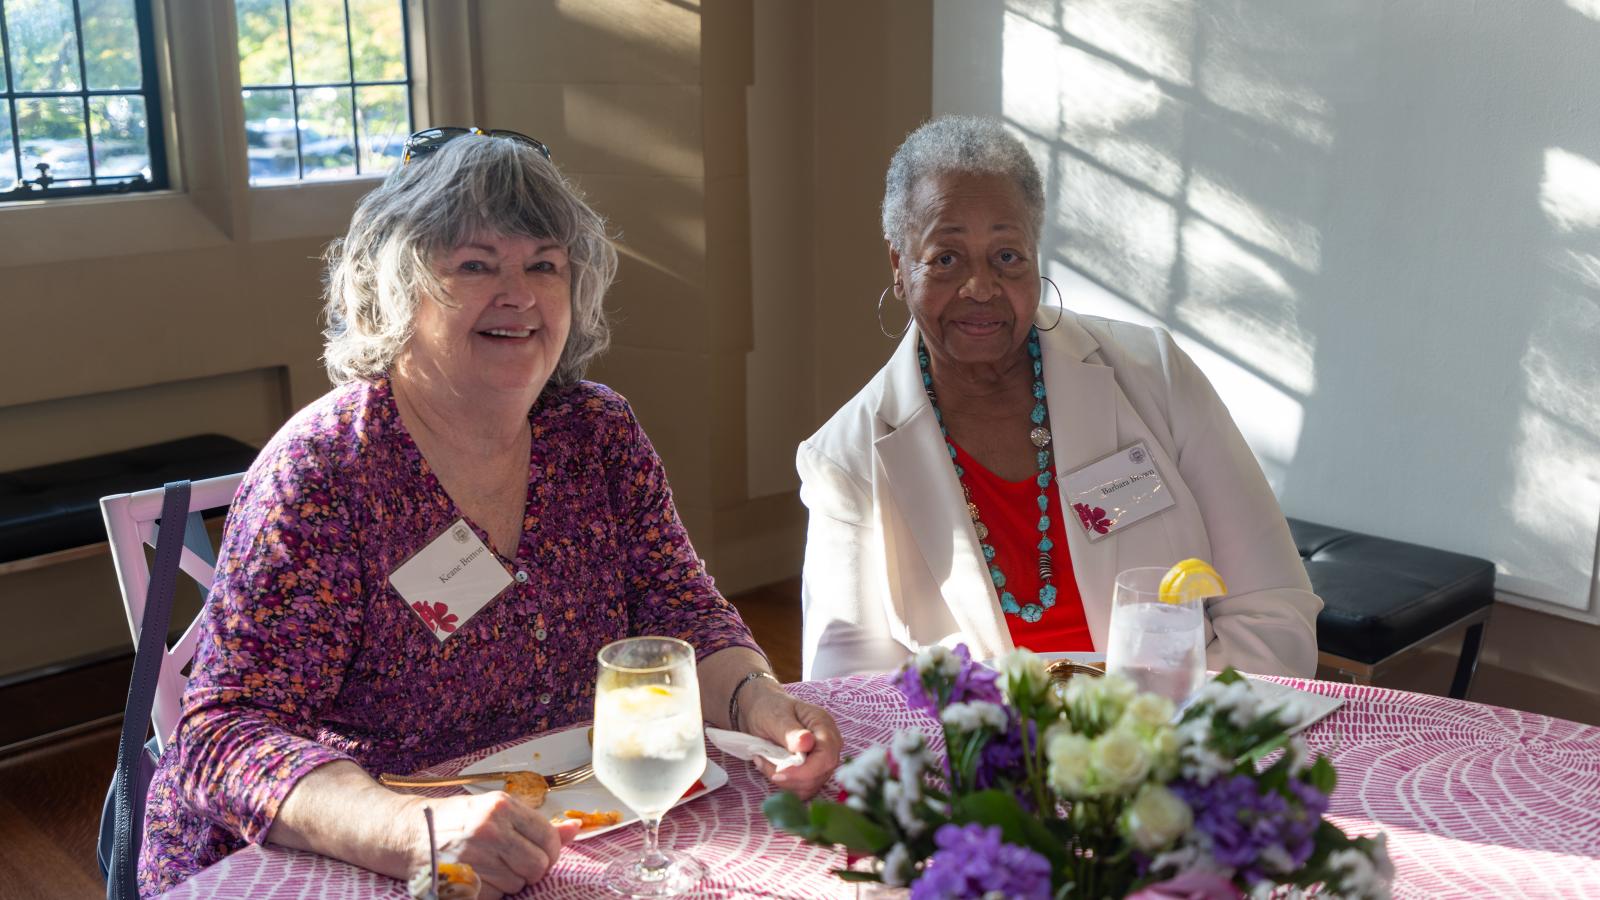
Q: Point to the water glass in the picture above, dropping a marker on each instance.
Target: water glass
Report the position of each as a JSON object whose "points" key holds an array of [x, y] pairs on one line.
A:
{"points": [[1159, 646], [649, 748]]}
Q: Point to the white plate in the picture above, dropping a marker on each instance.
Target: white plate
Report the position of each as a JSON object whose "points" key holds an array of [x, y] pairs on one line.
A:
{"points": [[565, 750], [1313, 707], [1078, 656]]}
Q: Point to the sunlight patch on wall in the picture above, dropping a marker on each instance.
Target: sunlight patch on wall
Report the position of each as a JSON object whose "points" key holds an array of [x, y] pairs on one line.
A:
{"points": [[1120, 236], [1063, 94], [1270, 418], [1154, 35], [1246, 307], [1249, 54], [1569, 194], [1554, 507], [1287, 237], [1590, 8]]}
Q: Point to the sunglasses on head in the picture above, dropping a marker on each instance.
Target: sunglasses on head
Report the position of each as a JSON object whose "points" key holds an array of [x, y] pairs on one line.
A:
{"points": [[430, 139]]}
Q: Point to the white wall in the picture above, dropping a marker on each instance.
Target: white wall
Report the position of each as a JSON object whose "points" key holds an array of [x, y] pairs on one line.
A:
{"points": [[1375, 224]]}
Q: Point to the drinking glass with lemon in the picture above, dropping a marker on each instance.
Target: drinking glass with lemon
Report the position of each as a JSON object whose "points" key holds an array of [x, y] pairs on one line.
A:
{"points": [[1158, 627]]}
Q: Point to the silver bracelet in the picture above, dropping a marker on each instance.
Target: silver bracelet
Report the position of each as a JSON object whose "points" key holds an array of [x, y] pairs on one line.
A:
{"points": [[733, 699]]}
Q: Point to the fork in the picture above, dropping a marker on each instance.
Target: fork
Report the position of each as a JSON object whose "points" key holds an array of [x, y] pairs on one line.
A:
{"points": [[558, 780]]}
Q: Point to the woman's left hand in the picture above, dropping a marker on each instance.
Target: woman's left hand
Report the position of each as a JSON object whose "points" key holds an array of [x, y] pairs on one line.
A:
{"points": [[797, 727]]}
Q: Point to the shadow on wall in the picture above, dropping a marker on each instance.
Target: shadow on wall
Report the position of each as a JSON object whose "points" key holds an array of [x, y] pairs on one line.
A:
{"points": [[1376, 226]]}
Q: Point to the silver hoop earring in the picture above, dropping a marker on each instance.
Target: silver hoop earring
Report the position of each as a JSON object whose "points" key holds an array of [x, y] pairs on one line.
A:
{"points": [[1061, 308], [896, 336]]}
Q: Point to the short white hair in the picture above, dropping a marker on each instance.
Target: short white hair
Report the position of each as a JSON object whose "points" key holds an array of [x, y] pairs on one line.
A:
{"points": [[383, 266], [968, 144]]}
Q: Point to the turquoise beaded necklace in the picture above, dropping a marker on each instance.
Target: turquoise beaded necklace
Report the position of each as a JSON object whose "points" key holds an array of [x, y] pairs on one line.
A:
{"points": [[1040, 436]]}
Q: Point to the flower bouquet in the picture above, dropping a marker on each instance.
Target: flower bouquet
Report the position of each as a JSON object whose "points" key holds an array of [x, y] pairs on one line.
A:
{"points": [[1088, 789]]}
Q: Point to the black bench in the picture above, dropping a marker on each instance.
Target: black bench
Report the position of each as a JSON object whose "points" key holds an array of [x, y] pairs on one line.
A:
{"points": [[51, 514], [1383, 598]]}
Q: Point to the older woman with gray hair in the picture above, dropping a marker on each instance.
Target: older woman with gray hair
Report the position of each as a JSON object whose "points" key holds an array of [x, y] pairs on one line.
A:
{"points": [[427, 560], [966, 493]]}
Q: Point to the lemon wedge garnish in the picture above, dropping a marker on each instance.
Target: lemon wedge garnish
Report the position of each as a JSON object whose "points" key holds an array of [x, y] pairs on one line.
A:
{"points": [[661, 691], [1192, 579]]}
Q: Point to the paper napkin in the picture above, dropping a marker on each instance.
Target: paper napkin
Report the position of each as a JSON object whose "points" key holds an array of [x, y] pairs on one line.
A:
{"points": [[748, 746]]}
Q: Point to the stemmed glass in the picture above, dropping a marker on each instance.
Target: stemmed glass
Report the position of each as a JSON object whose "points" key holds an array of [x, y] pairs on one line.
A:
{"points": [[1158, 645], [649, 748]]}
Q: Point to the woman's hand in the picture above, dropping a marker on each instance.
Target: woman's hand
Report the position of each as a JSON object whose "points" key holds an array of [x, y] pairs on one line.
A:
{"points": [[507, 842], [768, 712]]}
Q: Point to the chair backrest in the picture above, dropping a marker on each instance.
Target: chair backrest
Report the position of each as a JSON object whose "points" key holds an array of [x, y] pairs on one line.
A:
{"points": [[131, 525]]}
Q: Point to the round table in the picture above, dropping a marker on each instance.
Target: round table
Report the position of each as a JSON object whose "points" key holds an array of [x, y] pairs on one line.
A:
{"points": [[1478, 801]]}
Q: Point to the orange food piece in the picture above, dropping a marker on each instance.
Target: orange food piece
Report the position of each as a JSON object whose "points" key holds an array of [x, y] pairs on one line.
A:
{"points": [[457, 873], [597, 819], [530, 787]]}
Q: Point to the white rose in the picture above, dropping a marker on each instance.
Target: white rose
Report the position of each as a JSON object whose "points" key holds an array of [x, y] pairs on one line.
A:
{"points": [[1024, 667], [1120, 759], [1150, 710], [1156, 818], [1068, 754]]}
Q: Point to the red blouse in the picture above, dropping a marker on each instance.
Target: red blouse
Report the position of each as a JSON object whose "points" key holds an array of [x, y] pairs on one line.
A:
{"points": [[1010, 509]]}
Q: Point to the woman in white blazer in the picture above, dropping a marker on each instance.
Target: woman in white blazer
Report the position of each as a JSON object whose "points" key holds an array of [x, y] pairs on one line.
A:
{"points": [[921, 488]]}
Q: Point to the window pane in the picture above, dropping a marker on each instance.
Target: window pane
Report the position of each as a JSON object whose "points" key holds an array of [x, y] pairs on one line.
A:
{"points": [[44, 45], [52, 132], [269, 136], [321, 53], [327, 136], [110, 44], [121, 135], [384, 126], [263, 42], [378, 40], [8, 161]]}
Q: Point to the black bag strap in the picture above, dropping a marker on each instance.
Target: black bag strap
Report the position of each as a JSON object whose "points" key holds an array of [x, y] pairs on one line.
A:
{"points": [[122, 881]]}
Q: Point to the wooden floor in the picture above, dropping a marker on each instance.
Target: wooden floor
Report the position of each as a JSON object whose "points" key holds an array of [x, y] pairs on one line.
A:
{"points": [[50, 797]]}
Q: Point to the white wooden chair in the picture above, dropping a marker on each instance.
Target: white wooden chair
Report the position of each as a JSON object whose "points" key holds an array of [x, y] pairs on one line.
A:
{"points": [[131, 525]]}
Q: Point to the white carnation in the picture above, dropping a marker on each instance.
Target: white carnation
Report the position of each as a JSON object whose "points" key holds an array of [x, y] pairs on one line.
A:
{"points": [[1156, 818], [898, 867], [1024, 667], [938, 659], [910, 749], [865, 772], [974, 716]]}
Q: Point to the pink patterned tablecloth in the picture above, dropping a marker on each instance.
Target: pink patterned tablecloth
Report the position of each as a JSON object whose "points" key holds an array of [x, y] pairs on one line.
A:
{"points": [[1478, 801]]}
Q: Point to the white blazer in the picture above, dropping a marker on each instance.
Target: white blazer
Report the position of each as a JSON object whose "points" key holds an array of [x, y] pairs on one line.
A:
{"points": [[893, 563]]}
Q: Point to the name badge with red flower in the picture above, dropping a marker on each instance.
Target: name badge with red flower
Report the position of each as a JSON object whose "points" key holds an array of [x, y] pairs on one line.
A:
{"points": [[449, 580], [1116, 491]]}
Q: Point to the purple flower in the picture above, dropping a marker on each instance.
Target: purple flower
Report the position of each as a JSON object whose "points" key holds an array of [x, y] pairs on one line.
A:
{"points": [[972, 862], [1243, 823], [927, 691]]}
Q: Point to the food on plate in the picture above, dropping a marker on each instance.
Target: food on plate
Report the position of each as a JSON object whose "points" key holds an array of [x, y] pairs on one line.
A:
{"points": [[529, 787], [457, 881], [596, 819]]}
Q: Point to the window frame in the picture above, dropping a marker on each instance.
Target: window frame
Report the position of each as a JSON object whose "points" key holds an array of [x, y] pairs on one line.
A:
{"points": [[150, 89]]}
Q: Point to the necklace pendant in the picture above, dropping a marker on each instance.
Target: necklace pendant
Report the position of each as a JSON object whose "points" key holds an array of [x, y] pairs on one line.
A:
{"points": [[1040, 436], [983, 530], [972, 510], [1046, 571]]}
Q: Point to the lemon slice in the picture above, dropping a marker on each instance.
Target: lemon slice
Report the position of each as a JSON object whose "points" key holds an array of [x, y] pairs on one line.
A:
{"points": [[1192, 579]]}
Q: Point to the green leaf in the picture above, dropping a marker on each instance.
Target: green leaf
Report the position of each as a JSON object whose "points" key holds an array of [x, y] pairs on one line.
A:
{"points": [[1322, 776], [842, 825], [789, 813], [1017, 826], [1229, 676], [1256, 753]]}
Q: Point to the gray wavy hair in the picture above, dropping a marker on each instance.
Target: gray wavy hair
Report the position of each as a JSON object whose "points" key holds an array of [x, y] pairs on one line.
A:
{"points": [[383, 267], [957, 144]]}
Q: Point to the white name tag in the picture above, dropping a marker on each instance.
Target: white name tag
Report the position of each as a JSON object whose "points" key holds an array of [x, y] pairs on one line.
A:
{"points": [[1116, 491], [448, 581]]}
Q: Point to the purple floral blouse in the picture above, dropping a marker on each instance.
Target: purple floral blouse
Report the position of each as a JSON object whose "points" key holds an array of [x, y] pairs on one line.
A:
{"points": [[307, 655]]}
